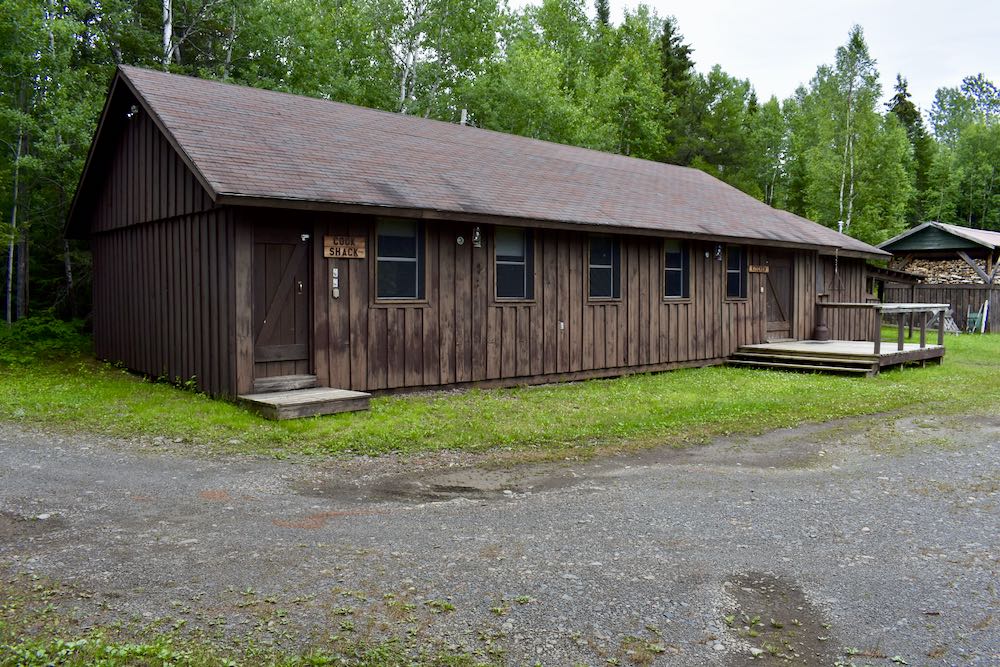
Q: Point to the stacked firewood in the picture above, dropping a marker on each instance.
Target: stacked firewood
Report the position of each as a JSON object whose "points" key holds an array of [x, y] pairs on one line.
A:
{"points": [[945, 272]]}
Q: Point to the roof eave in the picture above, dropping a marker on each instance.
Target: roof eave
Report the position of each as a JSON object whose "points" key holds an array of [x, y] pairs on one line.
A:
{"points": [[241, 199]]}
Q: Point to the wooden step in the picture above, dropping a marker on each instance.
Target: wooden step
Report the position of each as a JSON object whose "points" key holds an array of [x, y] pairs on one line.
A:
{"points": [[305, 402], [802, 367], [793, 358], [284, 383], [830, 353]]}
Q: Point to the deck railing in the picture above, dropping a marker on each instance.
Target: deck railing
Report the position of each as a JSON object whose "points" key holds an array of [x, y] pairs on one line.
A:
{"points": [[923, 310]]}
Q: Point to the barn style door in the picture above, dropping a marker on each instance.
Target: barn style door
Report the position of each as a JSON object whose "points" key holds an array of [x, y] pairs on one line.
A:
{"points": [[281, 303], [779, 296]]}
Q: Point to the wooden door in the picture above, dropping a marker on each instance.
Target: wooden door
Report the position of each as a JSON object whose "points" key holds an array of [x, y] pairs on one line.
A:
{"points": [[282, 317], [779, 296]]}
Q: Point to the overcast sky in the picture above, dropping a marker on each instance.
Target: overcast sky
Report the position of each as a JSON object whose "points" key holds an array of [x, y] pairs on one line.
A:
{"points": [[778, 44]]}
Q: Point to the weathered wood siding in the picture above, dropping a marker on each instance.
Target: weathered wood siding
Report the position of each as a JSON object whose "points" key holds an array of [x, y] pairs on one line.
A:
{"points": [[163, 299], [462, 334], [146, 180], [163, 263], [962, 298], [843, 280]]}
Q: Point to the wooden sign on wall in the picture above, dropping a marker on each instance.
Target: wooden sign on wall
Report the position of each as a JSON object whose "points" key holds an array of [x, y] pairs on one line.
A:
{"points": [[760, 268], [344, 247]]}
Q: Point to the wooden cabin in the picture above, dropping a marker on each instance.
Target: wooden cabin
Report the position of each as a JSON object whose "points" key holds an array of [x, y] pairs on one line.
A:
{"points": [[252, 240]]}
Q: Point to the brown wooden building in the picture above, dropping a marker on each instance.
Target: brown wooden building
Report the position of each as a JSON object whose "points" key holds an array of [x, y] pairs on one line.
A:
{"points": [[241, 235]]}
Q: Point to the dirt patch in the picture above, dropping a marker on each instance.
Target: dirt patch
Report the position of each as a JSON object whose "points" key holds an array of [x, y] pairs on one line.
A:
{"points": [[15, 526], [772, 623], [317, 520]]}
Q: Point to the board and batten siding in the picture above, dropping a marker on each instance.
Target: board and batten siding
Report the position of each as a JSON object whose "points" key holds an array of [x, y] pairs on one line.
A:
{"points": [[164, 261], [163, 299], [146, 180], [844, 280], [962, 298], [461, 334]]}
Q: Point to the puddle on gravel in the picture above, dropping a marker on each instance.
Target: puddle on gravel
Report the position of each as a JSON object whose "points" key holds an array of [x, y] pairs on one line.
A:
{"points": [[438, 485], [774, 623], [16, 526], [787, 449]]}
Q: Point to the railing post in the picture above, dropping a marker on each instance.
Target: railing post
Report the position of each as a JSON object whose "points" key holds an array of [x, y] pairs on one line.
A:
{"points": [[900, 345], [878, 331], [941, 315], [923, 330]]}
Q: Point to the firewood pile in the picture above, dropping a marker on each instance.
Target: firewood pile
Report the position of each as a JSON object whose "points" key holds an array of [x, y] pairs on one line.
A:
{"points": [[946, 272]]}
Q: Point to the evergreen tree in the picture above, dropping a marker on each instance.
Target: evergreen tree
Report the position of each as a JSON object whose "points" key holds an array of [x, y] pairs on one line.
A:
{"points": [[603, 8], [922, 145]]}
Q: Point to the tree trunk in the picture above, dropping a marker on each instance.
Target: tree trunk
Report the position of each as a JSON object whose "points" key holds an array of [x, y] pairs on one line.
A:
{"points": [[229, 47], [22, 276], [9, 288], [168, 32]]}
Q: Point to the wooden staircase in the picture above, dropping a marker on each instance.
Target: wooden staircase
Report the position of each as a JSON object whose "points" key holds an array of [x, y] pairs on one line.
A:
{"points": [[807, 362], [294, 396]]}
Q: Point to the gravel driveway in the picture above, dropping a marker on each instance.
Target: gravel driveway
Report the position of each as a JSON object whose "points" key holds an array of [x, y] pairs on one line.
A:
{"points": [[861, 541]]}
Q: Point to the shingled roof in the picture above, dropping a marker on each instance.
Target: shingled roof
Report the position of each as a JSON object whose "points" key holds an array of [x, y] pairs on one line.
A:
{"points": [[252, 146]]}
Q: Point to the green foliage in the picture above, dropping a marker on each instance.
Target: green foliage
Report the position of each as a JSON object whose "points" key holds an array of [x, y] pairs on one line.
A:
{"points": [[41, 338], [668, 408], [849, 163], [545, 70]]}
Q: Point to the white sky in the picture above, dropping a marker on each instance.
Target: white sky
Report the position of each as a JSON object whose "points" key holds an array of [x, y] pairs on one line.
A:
{"points": [[777, 44]]}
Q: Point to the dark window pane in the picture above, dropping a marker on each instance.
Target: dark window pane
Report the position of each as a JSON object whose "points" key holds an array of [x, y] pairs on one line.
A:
{"points": [[601, 250], [510, 281], [675, 283], [733, 284], [397, 280], [601, 283], [510, 243], [675, 255], [397, 238], [735, 259]]}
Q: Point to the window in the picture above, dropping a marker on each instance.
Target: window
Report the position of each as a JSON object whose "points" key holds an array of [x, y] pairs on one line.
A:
{"points": [[400, 260], [605, 267], [515, 264], [676, 269], [736, 272]]}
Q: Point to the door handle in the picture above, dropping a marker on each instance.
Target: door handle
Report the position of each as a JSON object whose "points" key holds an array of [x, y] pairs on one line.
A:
{"points": [[301, 287]]}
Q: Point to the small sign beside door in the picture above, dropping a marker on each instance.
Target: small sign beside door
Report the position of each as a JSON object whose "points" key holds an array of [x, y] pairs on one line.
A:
{"points": [[344, 247], [759, 268]]}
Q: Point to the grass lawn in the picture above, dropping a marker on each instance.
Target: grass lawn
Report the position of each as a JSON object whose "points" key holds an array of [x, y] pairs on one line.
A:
{"points": [[80, 395]]}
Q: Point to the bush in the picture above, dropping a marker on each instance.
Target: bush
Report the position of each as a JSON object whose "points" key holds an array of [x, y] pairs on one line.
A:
{"points": [[41, 338]]}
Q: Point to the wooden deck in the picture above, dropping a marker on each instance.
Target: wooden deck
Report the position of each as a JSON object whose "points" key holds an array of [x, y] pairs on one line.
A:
{"points": [[305, 402], [834, 356]]}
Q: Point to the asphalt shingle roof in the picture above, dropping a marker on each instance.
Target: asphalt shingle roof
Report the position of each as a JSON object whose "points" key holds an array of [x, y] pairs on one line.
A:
{"points": [[248, 142]]}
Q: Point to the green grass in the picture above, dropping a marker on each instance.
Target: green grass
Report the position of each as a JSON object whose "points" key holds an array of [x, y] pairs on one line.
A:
{"points": [[36, 630], [80, 395]]}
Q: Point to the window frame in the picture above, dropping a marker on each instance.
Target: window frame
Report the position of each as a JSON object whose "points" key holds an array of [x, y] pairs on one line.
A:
{"points": [[615, 267], [685, 270], [528, 263], [420, 260], [743, 272]]}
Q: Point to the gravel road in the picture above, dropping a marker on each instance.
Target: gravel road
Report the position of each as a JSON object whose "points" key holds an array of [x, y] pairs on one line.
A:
{"points": [[860, 541]]}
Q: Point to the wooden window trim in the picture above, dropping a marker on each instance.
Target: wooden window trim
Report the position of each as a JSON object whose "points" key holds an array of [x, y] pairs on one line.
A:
{"points": [[604, 299], [744, 274], [513, 300], [663, 273], [376, 300]]}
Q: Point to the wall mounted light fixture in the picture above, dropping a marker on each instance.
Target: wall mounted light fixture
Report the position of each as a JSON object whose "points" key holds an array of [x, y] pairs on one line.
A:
{"points": [[477, 238], [718, 252]]}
